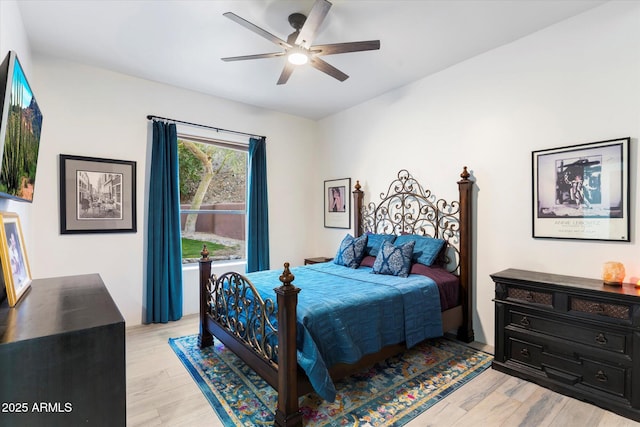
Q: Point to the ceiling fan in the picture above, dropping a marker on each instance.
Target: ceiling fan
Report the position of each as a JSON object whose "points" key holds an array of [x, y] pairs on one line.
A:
{"points": [[298, 47]]}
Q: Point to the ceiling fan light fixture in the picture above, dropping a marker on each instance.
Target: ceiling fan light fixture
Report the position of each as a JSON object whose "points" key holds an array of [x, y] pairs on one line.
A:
{"points": [[298, 57], [299, 48]]}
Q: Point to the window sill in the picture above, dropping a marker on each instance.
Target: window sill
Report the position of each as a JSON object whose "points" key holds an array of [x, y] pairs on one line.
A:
{"points": [[225, 265]]}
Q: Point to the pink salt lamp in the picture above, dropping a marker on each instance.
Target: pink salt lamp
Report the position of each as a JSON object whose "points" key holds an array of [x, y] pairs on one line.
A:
{"points": [[613, 273]]}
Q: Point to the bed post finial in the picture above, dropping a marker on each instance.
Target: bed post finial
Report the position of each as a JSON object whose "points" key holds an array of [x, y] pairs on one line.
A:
{"points": [[465, 174], [204, 253], [287, 277]]}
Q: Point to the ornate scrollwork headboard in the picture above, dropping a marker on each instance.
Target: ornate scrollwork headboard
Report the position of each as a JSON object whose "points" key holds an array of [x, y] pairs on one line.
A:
{"points": [[408, 208]]}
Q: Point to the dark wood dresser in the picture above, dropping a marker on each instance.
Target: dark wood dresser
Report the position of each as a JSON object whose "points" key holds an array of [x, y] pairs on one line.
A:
{"points": [[573, 335], [62, 356]]}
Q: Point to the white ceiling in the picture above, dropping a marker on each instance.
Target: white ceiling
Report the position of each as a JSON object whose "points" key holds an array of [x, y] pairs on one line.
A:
{"points": [[181, 42]]}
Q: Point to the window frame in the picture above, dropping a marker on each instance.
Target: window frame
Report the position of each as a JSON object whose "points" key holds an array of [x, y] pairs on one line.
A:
{"points": [[235, 143]]}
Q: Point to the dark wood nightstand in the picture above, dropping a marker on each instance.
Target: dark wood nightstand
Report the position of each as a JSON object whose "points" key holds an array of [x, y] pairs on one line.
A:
{"points": [[316, 260]]}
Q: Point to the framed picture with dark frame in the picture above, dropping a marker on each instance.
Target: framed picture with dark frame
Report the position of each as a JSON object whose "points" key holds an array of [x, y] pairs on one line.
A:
{"points": [[582, 191], [16, 274], [97, 195], [337, 203]]}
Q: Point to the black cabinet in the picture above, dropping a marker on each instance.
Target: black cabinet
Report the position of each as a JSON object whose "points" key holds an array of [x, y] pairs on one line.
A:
{"points": [[573, 335], [62, 356]]}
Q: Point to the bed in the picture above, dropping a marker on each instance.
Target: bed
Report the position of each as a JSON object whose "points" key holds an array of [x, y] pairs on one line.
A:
{"points": [[339, 317]]}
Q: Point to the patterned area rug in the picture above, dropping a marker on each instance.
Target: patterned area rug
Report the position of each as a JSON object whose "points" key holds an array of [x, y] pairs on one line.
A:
{"points": [[390, 393]]}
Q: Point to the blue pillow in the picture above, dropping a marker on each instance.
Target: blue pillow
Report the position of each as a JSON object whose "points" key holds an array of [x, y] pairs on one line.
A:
{"points": [[426, 249], [375, 241], [393, 259], [351, 251]]}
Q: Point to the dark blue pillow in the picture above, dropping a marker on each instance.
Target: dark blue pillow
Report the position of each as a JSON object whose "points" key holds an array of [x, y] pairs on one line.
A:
{"points": [[393, 259], [351, 251], [375, 241], [426, 249]]}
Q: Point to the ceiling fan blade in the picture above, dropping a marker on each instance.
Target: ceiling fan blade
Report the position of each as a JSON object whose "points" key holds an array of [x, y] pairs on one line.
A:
{"points": [[286, 73], [267, 35], [258, 56], [327, 68], [332, 49], [314, 20]]}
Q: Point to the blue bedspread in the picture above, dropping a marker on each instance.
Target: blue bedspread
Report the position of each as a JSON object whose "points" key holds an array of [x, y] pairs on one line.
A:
{"points": [[344, 314]]}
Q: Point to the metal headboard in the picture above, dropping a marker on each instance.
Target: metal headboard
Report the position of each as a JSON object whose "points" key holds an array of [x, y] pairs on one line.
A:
{"points": [[408, 208]]}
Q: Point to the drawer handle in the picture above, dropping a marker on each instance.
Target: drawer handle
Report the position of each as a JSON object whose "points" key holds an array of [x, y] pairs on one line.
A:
{"points": [[601, 339], [528, 296], [524, 321], [598, 308], [525, 353], [601, 376]]}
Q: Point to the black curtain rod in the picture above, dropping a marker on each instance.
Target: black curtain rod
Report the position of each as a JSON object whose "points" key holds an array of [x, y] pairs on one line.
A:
{"points": [[150, 117]]}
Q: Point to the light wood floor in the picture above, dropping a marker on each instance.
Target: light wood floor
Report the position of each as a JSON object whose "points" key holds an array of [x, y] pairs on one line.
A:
{"points": [[160, 392]]}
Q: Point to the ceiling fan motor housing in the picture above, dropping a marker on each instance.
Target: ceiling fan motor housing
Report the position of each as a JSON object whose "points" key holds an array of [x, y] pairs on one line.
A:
{"points": [[297, 20]]}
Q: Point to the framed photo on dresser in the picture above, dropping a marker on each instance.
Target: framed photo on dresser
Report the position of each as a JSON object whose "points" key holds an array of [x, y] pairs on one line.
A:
{"points": [[16, 275], [582, 191]]}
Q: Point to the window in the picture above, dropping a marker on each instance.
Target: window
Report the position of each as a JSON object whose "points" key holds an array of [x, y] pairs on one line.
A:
{"points": [[213, 191]]}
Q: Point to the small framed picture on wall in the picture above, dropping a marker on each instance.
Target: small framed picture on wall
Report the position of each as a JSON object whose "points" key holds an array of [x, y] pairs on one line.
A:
{"points": [[97, 195], [337, 203]]}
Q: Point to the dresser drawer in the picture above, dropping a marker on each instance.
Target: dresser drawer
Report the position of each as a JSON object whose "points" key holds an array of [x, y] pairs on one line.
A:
{"points": [[589, 335], [525, 352], [600, 309], [529, 296], [535, 352], [610, 379]]}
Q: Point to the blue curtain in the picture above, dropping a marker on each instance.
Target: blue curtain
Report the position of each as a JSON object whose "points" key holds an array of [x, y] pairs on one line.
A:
{"points": [[164, 246], [257, 207]]}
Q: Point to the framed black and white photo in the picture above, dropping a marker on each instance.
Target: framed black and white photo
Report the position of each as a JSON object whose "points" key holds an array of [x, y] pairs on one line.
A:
{"points": [[97, 195], [16, 274], [582, 191], [337, 203]]}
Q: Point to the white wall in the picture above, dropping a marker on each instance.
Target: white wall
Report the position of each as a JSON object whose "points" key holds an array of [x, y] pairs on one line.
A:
{"points": [[97, 113], [575, 82]]}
